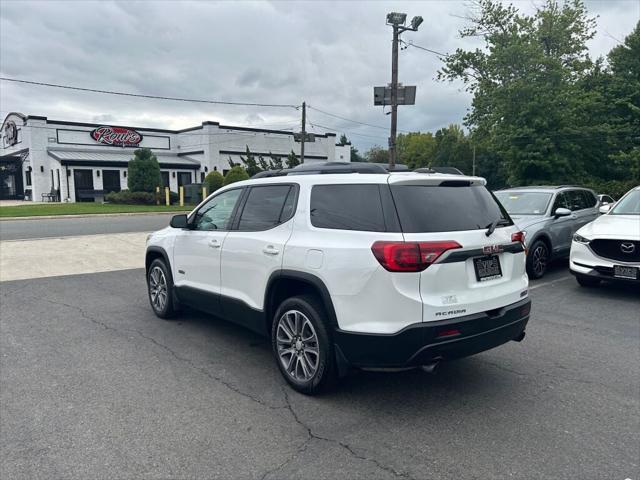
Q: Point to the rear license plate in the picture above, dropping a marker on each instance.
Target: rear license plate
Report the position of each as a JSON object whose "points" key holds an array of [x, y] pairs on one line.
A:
{"points": [[487, 268], [620, 271]]}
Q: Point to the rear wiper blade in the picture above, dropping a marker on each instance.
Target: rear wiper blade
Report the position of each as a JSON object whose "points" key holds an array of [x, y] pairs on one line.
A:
{"points": [[494, 224]]}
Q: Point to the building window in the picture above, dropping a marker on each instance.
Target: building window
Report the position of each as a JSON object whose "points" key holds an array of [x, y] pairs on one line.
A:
{"points": [[27, 177], [111, 180], [165, 179], [184, 178]]}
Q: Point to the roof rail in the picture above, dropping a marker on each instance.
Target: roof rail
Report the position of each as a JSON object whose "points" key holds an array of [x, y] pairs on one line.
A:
{"points": [[324, 168]]}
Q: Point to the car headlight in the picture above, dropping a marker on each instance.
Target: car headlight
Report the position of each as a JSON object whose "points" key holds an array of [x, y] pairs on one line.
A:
{"points": [[580, 239]]}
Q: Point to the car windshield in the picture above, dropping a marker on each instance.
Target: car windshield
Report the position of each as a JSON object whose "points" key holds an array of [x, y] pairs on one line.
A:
{"points": [[628, 205], [524, 203]]}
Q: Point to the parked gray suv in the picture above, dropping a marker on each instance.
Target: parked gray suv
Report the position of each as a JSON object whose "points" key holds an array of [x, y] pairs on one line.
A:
{"points": [[549, 216]]}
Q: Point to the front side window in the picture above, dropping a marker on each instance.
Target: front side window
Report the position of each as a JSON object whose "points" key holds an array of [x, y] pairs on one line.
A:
{"points": [[347, 207], [266, 207], [216, 213], [562, 201], [524, 203], [628, 205]]}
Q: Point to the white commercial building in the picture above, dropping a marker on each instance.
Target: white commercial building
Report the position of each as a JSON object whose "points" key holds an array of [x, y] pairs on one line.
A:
{"points": [[42, 159]]}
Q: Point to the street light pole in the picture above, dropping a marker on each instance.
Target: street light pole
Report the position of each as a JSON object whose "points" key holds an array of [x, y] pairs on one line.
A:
{"points": [[304, 130], [394, 98], [397, 22]]}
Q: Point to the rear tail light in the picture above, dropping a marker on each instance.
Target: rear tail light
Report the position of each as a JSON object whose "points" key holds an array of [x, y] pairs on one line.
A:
{"points": [[410, 256], [519, 237]]}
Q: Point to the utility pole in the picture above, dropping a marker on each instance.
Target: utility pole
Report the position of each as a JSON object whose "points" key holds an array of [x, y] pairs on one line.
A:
{"points": [[394, 97], [304, 130], [474, 160], [397, 22]]}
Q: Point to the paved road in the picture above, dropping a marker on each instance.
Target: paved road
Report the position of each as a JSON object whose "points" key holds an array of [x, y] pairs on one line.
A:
{"points": [[92, 385], [67, 227]]}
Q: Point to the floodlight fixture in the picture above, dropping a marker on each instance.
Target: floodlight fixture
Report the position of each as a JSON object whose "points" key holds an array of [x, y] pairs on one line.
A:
{"points": [[395, 18], [415, 22]]}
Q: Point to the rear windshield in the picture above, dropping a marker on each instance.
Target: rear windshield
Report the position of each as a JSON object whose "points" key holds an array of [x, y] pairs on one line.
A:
{"points": [[446, 208]]}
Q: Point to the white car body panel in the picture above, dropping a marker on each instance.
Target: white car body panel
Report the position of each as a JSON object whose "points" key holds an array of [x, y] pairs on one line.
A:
{"points": [[366, 297]]}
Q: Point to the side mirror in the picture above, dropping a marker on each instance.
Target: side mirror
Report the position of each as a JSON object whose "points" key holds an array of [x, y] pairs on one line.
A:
{"points": [[605, 208], [179, 221], [562, 212]]}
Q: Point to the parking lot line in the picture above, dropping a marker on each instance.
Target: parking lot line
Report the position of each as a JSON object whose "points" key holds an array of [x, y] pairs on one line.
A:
{"points": [[552, 282]]}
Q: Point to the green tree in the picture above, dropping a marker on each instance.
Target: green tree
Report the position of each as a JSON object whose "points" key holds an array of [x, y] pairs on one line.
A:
{"points": [[236, 174], [377, 154], [250, 163], [454, 149], [526, 85], [292, 160], [143, 171], [416, 149], [355, 155], [214, 180]]}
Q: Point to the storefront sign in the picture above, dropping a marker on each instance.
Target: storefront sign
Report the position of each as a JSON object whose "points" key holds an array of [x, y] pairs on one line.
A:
{"points": [[121, 137], [10, 134]]}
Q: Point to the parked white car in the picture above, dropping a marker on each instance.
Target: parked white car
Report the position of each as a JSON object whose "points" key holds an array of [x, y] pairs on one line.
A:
{"points": [[609, 247], [349, 269]]}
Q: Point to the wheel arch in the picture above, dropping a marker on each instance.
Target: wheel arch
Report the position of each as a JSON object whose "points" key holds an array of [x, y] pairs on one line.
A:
{"points": [[543, 237], [154, 252], [284, 284]]}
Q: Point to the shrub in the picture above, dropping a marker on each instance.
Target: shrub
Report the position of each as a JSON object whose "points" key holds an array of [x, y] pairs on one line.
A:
{"points": [[131, 198], [236, 174], [214, 180], [144, 171]]}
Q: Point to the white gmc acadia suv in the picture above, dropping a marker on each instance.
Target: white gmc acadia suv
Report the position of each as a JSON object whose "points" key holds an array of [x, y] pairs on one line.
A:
{"points": [[344, 269]]}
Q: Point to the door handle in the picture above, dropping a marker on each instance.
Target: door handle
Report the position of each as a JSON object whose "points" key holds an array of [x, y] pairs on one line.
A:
{"points": [[270, 250], [214, 243]]}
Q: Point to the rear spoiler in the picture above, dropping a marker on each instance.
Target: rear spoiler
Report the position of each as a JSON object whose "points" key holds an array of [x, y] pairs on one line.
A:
{"points": [[440, 180]]}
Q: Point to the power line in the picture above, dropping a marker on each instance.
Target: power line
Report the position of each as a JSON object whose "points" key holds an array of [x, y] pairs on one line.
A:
{"points": [[350, 120], [157, 97], [350, 132], [411, 44]]}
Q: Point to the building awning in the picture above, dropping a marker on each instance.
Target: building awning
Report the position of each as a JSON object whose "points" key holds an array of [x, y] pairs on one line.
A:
{"points": [[94, 158]]}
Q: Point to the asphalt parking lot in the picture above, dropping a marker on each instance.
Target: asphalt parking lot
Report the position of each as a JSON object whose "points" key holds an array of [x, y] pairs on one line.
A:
{"points": [[93, 385]]}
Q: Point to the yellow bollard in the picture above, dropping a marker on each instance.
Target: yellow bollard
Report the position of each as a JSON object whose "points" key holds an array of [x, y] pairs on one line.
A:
{"points": [[166, 196], [157, 195], [181, 190], [204, 193]]}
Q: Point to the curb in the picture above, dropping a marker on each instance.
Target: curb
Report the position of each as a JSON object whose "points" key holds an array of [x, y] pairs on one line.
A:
{"points": [[92, 215]]}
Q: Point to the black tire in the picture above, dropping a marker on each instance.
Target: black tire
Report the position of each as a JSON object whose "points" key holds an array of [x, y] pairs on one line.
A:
{"points": [[166, 309], [538, 259], [587, 282], [325, 373]]}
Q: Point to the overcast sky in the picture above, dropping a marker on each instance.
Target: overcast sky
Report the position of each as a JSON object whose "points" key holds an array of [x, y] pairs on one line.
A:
{"points": [[330, 54]]}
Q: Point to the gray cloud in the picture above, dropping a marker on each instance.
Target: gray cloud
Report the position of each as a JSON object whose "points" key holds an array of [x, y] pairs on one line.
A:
{"points": [[330, 54]]}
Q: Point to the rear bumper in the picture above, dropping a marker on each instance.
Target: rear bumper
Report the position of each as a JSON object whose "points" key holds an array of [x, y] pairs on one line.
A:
{"points": [[424, 343]]}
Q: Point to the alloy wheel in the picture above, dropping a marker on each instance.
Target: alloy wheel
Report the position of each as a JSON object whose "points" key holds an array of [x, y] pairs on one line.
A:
{"points": [[158, 289], [298, 347], [540, 259]]}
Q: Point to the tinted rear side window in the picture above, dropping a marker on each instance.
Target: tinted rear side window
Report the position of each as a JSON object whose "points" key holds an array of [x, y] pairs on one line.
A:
{"points": [[347, 207], [264, 207], [446, 208]]}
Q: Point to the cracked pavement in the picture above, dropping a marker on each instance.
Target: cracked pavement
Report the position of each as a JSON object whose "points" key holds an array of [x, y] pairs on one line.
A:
{"points": [[93, 385]]}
